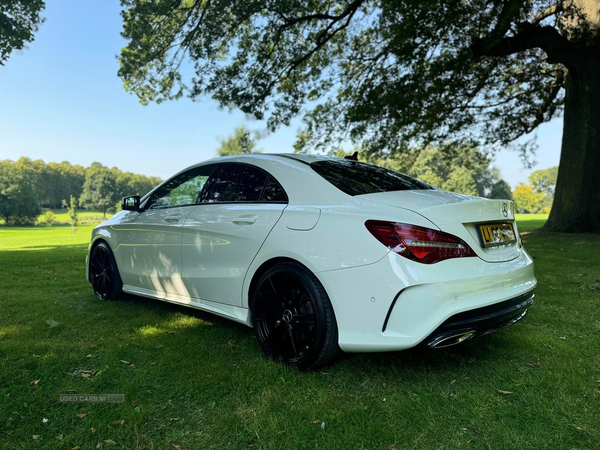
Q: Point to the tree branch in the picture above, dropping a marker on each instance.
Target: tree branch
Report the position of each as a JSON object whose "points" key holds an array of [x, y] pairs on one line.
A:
{"points": [[350, 9], [507, 15], [528, 37], [552, 10], [322, 38]]}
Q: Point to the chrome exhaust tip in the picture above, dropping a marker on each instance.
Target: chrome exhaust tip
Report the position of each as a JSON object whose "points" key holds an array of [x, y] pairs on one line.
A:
{"points": [[451, 339]]}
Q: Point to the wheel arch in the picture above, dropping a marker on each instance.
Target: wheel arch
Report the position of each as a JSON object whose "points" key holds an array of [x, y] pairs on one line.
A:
{"points": [[263, 268], [95, 242], [326, 335]]}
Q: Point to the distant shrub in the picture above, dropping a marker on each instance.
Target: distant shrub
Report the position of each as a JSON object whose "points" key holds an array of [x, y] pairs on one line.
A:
{"points": [[73, 216], [49, 218], [546, 210]]}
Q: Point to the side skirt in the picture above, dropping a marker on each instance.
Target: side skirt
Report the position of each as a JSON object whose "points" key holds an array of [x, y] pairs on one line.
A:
{"points": [[235, 313]]}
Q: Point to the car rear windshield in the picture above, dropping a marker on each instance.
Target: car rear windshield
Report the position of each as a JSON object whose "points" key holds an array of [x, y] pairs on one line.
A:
{"points": [[357, 178]]}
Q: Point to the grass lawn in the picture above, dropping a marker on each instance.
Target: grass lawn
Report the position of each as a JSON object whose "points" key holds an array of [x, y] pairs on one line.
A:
{"points": [[530, 222], [199, 382]]}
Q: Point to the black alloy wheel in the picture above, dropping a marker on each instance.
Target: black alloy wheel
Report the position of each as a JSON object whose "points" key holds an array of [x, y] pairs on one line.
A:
{"points": [[104, 274], [293, 318]]}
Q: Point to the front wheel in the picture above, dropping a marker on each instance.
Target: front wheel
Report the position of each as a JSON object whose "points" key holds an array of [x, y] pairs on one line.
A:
{"points": [[293, 318], [104, 274]]}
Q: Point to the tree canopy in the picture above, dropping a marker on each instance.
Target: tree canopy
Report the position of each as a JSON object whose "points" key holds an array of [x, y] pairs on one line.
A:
{"points": [[526, 199], [387, 74], [19, 200], [544, 181], [19, 20], [239, 142], [99, 188]]}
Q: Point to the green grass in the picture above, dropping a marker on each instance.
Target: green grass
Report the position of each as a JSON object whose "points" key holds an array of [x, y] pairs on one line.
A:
{"points": [[200, 382], [530, 222]]}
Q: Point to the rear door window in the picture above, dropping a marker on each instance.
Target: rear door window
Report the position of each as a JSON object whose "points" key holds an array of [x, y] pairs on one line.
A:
{"points": [[236, 183], [358, 178]]}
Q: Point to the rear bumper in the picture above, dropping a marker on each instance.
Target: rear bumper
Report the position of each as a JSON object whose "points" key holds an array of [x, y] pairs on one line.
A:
{"points": [[395, 303], [479, 322]]}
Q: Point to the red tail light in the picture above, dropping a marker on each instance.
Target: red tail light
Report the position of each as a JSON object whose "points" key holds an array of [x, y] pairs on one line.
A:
{"points": [[420, 244]]}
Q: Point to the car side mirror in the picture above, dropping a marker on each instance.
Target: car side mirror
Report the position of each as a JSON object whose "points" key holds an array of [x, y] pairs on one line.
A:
{"points": [[131, 203]]}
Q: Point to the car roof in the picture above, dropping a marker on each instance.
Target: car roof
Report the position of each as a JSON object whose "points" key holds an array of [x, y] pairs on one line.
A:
{"points": [[300, 157], [305, 158]]}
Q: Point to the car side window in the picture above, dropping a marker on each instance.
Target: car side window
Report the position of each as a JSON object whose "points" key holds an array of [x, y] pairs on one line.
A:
{"points": [[183, 190], [236, 183], [273, 192]]}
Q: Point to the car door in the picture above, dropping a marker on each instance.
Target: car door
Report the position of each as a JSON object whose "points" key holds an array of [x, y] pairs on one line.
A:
{"points": [[223, 234], [150, 249]]}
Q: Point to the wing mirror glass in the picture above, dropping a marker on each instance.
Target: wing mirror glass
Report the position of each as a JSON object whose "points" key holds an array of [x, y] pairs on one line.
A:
{"points": [[131, 203]]}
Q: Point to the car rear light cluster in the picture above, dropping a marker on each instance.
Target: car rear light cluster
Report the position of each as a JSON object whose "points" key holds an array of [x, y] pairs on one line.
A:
{"points": [[420, 244]]}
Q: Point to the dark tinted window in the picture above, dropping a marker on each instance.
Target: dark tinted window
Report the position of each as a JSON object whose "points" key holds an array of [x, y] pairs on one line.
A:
{"points": [[357, 178], [273, 192], [237, 183], [185, 189]]}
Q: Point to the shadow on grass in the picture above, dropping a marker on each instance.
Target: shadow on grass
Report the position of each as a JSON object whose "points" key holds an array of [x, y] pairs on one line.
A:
{"points": [[494, 348]]}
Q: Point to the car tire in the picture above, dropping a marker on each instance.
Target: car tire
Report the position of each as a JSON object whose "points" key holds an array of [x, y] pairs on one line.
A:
{"points": [[104, 273], [293, 318]]}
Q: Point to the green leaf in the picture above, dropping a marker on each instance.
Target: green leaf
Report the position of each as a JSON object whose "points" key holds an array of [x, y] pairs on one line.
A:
{"points": [[52, 323]]}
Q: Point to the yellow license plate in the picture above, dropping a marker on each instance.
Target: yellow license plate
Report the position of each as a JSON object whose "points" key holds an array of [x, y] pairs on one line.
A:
{"points": [[493, 234]]}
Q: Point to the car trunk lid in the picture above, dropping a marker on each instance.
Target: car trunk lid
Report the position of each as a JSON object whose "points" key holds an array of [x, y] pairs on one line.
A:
{"points": [[459, 215]]}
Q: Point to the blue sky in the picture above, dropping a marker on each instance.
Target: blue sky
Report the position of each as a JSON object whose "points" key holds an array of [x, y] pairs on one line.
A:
{"points": [[61, 99]]}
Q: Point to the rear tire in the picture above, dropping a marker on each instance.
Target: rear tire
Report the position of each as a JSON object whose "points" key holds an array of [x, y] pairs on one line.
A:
{"points": [[104, 274], [293, 318]]}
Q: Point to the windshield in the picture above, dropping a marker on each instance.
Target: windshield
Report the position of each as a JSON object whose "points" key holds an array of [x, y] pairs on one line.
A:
{"points": [[357, 178]]}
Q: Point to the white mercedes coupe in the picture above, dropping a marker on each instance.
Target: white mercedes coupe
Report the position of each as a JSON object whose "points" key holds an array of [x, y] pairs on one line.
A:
{"points": [[319, 254]]}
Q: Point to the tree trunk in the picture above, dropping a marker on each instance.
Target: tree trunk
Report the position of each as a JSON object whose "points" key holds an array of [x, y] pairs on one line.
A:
{"points": [[576, 207]]}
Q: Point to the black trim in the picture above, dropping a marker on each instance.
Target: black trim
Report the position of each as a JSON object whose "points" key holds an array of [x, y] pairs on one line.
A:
{"points": [[482, 321], [243, 203], [219, 203], [262, 191], [389, 313]]}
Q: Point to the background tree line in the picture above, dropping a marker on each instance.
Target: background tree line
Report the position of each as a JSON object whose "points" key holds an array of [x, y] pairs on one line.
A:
{"points": [[27, 186]]}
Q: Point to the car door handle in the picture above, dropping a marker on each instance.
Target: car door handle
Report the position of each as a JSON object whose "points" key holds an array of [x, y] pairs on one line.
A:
{"points": [[173, 218], [248, 220]]}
